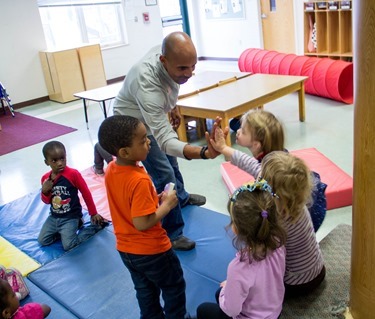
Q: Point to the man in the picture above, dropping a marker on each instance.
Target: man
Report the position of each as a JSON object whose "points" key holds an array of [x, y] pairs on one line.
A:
{"points": [[149, 93]]}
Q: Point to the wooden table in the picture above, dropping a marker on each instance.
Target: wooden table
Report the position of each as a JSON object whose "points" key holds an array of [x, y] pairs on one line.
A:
{"points": [[100, 95], [197, 83], [208, 80], [237, 97]]}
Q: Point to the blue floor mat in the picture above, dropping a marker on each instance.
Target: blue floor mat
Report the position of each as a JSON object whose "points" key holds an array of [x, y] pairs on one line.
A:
{"points": [[92, 281], [20, 223], [39, 296]]}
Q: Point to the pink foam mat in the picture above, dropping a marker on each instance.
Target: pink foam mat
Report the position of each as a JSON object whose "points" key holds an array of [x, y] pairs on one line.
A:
{"points": [[339, 190]]}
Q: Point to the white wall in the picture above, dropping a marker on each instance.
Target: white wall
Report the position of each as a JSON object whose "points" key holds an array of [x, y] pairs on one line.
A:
{"points": [[225, 38], [22, 38]]}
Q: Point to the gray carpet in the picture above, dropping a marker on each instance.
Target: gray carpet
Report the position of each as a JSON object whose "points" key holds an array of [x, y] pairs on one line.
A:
{"points": [[334, 290]]}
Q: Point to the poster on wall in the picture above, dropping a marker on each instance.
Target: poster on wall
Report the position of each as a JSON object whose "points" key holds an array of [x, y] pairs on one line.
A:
{"points": [[224, 9]]}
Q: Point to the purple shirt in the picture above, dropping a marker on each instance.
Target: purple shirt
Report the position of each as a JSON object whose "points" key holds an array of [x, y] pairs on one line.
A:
{"points": [[254, 290], [30, 310]]}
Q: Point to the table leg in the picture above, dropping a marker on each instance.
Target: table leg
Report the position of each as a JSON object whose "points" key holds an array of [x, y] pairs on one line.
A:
{"points": [[181, 131], [104, 110], [85, 110], [301, 102]]}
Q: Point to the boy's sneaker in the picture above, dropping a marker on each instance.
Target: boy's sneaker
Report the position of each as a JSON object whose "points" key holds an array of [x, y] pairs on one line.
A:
{"points": [[98, 171]]}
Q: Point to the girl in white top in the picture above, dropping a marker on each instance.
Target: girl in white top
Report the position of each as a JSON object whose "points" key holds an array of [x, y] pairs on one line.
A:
{"points": [[291, 179]]}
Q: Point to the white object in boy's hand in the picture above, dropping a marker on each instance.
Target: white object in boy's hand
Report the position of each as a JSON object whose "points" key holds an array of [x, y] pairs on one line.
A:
{"points": [[169, 188]]}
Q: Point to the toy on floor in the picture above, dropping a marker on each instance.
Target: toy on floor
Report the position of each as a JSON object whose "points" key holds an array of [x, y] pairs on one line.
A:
{"points": [[328, 78], [15, 280]]}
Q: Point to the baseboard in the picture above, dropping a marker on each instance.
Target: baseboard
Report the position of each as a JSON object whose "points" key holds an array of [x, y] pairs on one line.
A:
{"points": [[30, 102], [46, 98]]}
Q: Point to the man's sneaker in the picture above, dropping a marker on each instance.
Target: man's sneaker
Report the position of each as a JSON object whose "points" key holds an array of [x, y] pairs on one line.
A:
{"points": [[183, 243], [98, 171], [195, 199]]}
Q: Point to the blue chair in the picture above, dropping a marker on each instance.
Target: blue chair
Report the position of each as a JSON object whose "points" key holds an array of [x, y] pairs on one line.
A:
{"points": [[5, 100]]}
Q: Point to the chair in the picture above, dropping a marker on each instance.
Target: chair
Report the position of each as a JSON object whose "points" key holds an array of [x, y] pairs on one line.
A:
{"points": [[5, 100]]}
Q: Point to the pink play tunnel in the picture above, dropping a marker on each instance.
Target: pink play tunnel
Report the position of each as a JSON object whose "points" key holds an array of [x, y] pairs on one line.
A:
{"points": [[328, 78]]}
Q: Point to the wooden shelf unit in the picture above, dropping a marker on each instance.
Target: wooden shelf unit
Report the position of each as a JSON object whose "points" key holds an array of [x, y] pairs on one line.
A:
{"points": [[334, 38]]}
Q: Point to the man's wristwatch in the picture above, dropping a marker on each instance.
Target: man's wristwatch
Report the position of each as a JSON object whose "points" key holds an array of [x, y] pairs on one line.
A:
{"points": [[203, 151]]}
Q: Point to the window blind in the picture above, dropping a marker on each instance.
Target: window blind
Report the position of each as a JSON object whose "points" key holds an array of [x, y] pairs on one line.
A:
{"points": [[56, 3]]}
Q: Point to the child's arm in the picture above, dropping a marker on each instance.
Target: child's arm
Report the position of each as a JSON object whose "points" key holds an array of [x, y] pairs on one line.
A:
{"points": [[46, 310], [169, 200]]}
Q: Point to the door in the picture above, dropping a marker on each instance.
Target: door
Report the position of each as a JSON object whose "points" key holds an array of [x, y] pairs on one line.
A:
{"points": [[174, 16], [278, 25]]}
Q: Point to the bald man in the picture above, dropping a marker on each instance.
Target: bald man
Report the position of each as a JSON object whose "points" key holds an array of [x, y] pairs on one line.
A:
{"points": [[149, 93]]}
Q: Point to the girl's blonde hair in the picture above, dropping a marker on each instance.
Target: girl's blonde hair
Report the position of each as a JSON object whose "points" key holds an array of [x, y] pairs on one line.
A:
{"points": [[255, 219], [291, 180], [266, 129]]}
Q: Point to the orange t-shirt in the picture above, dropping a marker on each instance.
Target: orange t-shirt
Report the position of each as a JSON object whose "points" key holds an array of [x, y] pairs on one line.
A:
{"points": [[131, 193]]}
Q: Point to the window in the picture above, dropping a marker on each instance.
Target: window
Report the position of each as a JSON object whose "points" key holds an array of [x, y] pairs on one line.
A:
{"points": [[68, 23]]}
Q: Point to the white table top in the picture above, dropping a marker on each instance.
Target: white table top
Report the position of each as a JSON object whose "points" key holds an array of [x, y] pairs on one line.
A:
{"points": [[101, 94]]}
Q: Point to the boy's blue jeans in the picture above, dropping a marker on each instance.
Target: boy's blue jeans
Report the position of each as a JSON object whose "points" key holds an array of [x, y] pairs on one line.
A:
{"points": [[164, 169], [152, 274], [66, 228]]}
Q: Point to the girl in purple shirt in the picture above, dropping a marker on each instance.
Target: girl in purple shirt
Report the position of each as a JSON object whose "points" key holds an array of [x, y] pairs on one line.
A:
{"points": [[254, 287], [10, 305]]}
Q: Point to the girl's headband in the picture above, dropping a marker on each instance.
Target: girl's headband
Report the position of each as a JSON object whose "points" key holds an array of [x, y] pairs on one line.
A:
{"points": [[259, 183]]}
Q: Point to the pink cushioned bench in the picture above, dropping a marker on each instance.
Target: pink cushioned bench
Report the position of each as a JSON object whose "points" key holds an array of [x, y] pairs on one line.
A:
{"points": [[339, 184]]}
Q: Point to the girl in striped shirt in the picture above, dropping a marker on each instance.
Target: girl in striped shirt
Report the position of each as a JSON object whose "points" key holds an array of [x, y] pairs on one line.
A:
{"points": [[291, 180]]}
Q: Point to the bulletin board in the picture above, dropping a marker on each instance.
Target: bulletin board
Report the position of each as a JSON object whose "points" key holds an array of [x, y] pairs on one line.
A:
{"points": [[224, 9]]}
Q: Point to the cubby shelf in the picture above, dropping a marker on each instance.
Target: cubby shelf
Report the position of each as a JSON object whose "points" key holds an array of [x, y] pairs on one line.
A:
{"points": [[331, 21]]}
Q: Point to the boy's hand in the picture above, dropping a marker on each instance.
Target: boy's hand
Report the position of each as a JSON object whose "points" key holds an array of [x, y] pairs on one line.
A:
{"points": [[169, 199], [98, 219], [47, 186]]}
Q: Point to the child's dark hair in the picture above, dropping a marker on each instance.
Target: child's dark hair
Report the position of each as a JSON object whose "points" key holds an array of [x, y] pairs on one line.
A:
{"points": [[116, 132], [254, 217], [48, 147], [3, 296]]}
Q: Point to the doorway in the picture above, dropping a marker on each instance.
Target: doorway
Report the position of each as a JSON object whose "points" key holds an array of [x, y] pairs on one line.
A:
{"points": [[174, 16], [278, 25]]}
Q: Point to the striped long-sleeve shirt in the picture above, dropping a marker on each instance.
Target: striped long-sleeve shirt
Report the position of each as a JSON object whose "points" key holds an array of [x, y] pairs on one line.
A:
{"points": [[304, 260]]}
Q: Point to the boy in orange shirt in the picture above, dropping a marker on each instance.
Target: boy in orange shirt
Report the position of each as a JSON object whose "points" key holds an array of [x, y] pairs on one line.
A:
{"points": [[137, 211]]}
